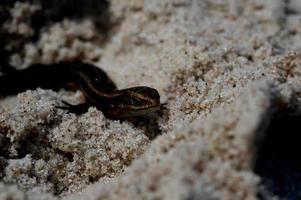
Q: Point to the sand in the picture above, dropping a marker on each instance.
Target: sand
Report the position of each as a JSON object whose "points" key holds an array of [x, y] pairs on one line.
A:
{"points": [[224, 69]]}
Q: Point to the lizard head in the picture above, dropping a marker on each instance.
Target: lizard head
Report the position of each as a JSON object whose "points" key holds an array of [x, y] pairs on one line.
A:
{"points": [[132, 102]]}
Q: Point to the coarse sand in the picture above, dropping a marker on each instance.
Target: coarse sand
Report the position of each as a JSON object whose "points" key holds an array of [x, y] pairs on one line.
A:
{"points": [[225, 69]]}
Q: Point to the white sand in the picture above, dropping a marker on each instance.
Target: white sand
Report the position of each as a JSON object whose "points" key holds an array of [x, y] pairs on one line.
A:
{"points": [[224, 68]]}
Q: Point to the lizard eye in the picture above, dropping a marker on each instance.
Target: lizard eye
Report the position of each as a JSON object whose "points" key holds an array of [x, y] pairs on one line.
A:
{"points": [[96, 81]]}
